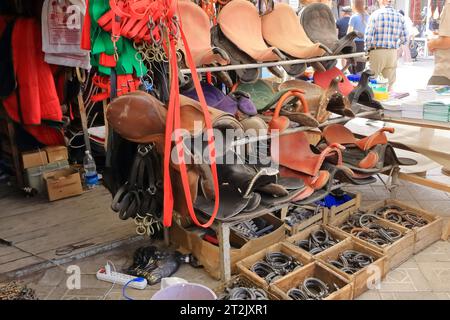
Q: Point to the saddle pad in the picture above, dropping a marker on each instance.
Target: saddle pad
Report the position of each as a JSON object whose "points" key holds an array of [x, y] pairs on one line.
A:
{"points": [[240, 22], [324, 78], [281, 28]]}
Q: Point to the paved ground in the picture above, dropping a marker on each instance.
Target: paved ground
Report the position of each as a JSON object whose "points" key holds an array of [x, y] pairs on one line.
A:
{"points": [[424, 276]]}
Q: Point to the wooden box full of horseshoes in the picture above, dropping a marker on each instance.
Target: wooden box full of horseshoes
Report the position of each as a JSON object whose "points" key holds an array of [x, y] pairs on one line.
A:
{"points": [[361, 265], [242, 288], [273, 263], [316, 239], [393, 240], [313, 281], [427, 227]]}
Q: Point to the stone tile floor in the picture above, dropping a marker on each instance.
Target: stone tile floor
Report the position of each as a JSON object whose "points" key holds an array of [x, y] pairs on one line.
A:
{"points": [[424, 276]]}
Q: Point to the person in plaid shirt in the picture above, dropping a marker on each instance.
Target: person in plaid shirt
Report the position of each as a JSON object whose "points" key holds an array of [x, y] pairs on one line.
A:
{"points": [[384, 34]]}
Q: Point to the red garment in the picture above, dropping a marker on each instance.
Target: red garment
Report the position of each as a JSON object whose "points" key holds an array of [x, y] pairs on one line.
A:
{"points": [[38, 96], [86, 30]]}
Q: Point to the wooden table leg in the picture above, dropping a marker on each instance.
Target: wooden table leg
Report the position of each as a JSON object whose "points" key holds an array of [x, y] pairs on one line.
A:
{"points": [[224, 248], [394, 182]]}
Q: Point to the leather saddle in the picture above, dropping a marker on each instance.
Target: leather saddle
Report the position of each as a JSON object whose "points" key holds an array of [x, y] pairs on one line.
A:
{"points": [[281, 28], [231, 103], [196, 27], [368, 155], [284, 103], [319, 24], [322, 101], [295, 157], [239, 33]]}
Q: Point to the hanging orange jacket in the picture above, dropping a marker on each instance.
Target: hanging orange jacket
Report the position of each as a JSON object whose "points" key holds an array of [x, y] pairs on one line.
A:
{"points": [[35, 99]]}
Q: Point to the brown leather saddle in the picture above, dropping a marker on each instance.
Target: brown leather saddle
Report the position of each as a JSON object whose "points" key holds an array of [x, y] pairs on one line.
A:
{"points": [[367, 155], [239, 33], [281, 28], [320, 101], [319, 24], [196, 27]]}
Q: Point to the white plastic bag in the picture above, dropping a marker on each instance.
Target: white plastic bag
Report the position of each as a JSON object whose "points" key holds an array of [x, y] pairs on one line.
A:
{"points": [[62, 22]]}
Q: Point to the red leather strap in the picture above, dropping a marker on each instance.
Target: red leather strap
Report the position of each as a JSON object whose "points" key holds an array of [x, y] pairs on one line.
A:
{"points": [[291, 93], [173, 123]]}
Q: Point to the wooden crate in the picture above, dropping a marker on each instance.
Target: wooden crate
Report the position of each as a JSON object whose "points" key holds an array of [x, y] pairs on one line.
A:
{"points": [[360, 278], [318, 270], [335, 212], [315, 219], [209, 255], [243, 280], [397, 252], [304, 235], [245, 265], [423, 236]]}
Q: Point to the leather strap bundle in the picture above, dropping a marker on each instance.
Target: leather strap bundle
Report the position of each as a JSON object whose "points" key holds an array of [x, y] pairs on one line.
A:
{"points": [[141, 195]]}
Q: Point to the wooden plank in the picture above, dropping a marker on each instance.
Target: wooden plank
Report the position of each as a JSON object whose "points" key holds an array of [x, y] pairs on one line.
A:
{"points": [[424, 181], [224, 251], [419, 122]]}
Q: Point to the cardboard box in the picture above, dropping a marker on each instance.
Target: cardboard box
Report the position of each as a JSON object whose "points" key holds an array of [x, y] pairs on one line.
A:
{"points": [[361, 277], [56, 153], [245, 264], [317, 270], [423, 236], [304, 235], [397, 252], [34, 158], [63, 183], [208, 254], [34, 176]]}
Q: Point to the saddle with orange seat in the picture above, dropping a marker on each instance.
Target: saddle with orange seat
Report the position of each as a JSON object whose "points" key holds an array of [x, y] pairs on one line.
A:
{"points": [[368, 155]]}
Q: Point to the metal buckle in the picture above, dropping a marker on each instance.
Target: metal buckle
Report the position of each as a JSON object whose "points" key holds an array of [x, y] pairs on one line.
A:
{"points": [[143, 150]]}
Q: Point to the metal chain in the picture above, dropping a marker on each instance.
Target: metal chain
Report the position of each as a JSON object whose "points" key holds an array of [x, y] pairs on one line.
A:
{"points": [[14, 291]]}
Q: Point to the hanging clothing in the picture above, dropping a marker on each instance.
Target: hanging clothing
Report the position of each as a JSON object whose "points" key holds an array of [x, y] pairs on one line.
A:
{"points": [[35, 103]]}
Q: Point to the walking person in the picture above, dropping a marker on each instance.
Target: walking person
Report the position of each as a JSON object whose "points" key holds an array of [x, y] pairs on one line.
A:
{"points": [[384, 33], [404, 50], [441, 49], [358, 22], [342, 22]]}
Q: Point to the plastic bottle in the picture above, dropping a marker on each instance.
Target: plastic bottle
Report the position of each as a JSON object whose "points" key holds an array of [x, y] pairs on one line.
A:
{"points": [[90, 170]]}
